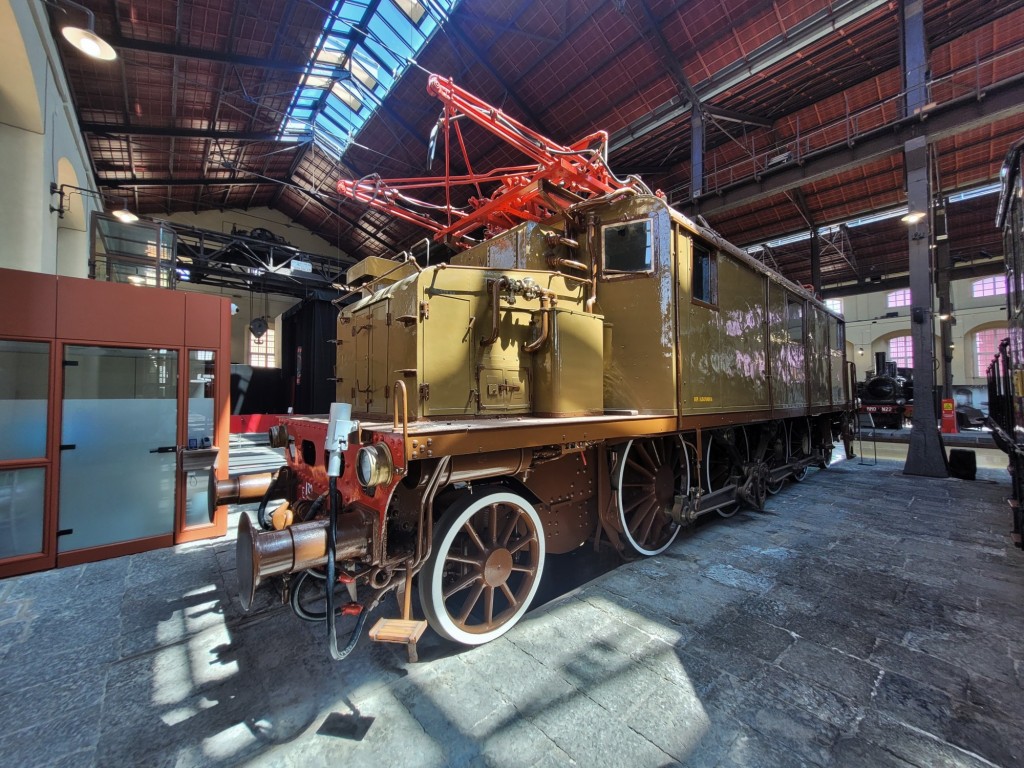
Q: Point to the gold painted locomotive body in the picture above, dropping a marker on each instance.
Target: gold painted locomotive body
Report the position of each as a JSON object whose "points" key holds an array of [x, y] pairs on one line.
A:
{"points": [[627, 340], [613, 372]]}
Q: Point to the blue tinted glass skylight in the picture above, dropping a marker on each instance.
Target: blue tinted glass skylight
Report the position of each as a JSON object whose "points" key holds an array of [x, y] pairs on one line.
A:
{"points": [[363, 51]]}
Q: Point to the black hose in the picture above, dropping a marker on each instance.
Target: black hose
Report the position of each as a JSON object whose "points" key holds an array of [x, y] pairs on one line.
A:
{"points": [[314, 508], [261, 512], [295, 588], [332, 536]]}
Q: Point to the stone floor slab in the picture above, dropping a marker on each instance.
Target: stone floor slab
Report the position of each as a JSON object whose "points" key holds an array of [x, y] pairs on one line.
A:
{"points": [[868, 618]]}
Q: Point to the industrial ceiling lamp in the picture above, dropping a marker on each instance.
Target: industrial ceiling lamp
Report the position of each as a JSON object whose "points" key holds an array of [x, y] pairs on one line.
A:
{"points": [[86, 40], [125, 216], [912, 217]]}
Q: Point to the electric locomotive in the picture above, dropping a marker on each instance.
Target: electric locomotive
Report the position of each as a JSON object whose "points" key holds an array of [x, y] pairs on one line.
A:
{"points": [[600, 367]]}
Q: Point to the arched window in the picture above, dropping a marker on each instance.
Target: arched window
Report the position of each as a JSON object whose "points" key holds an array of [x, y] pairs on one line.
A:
{"points": [[901, 351], [989, 286], [900, 298], [986, 344]]}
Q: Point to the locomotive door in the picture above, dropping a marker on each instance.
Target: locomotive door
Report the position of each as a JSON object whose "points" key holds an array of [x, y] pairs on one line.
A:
{"points": [[118, 446]]}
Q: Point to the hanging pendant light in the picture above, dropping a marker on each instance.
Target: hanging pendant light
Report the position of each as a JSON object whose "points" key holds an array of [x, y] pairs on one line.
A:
{"points": [[85, 39]]}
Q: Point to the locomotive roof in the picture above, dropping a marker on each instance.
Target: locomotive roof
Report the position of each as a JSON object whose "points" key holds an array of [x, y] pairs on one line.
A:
{"points": [[722, 244]]}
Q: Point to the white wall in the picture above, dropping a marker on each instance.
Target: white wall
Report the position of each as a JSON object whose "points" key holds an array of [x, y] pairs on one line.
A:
{"points": [[867, 328], [40, 145]]}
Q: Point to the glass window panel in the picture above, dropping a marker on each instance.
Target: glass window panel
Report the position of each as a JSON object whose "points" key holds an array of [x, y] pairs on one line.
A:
{"points": [[836, 334], [989, 286], [261, 350], [836, 305], [22, 492], [705, 274], [795, 321], [397, 31], [986, 345], [900, 298], [627, 247], [200, 398], [901, 351], [24, 391]]}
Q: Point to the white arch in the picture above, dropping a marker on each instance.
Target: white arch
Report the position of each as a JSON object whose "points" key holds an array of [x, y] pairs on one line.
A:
{"points": [[19, 99]]}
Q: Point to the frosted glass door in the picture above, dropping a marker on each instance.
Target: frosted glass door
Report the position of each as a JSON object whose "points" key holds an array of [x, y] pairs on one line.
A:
{"points": [[24, 399], [118, 445]]}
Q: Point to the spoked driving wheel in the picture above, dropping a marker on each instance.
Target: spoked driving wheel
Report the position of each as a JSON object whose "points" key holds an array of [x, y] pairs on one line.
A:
{"points": [[723, 466], [650, 474], [799, 445], [777, 454], [484, 567]]}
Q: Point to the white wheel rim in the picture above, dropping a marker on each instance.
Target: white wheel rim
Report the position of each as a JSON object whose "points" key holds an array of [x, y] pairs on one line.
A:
{"points": [[621, 470], [446, 626]]}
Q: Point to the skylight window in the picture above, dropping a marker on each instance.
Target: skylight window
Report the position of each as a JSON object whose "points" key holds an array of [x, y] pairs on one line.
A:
{"points": [[363, 51]]}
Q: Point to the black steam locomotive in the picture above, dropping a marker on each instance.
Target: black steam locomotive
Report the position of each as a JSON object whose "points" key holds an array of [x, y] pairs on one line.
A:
{"points": [[886, 396]]}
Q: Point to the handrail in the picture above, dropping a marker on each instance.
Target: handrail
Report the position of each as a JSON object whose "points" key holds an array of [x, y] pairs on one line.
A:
{"points": [[400, 386]]}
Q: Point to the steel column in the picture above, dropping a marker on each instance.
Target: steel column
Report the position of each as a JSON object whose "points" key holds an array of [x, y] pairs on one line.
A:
{"points": [[925, 455], [915, 55], [943, 265]]}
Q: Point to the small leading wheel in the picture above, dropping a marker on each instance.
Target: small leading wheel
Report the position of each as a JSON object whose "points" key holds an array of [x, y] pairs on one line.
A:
{"points": [[484, 567], [776, 455], [721, 467], [799, 445], [650, 473]]}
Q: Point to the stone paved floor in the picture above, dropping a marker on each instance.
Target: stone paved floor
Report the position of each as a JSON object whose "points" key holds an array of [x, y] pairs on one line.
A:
{"points": [[867, 619]]}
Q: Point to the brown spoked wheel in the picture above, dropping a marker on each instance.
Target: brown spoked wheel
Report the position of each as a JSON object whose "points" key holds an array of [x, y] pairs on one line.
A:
{"points": [[799, 445], [649, 475], [484, 567], [721, 467], [777, 454]]}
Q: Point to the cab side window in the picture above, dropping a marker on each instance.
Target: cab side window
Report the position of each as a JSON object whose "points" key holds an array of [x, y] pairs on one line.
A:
{"points": [[628, 247], [705, 274]]}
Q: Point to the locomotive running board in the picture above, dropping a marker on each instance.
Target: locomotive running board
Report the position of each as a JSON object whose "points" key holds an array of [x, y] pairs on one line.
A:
{"points": [[405, 631]]}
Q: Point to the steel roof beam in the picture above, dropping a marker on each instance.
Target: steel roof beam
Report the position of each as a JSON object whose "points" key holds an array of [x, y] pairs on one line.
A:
{"points": [[653, 33], [734, 116], [523, 107], [194, 182], [122, 129], [960, 272], [806, 33], [205, 54], [1000, 101]]}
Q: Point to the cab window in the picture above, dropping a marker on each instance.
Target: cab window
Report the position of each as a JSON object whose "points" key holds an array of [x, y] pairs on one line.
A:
{"points": [[628, 247], [705, 274]]}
